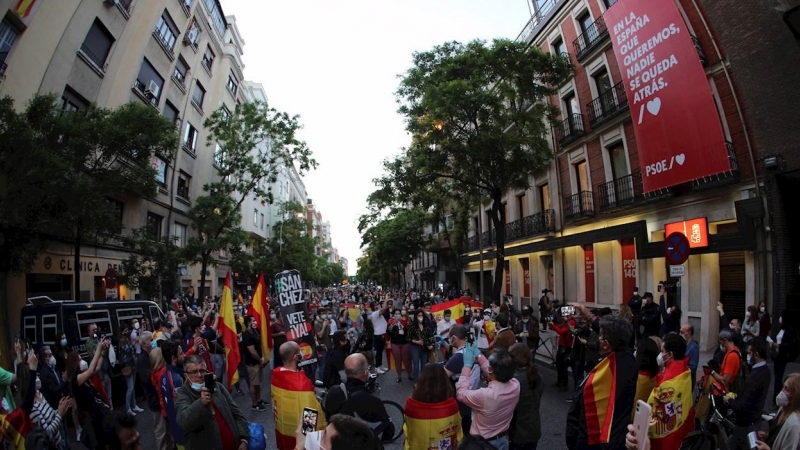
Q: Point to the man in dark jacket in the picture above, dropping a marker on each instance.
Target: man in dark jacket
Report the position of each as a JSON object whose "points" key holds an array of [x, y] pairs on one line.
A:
{"points": [[209, 419], [164, 439], [618, 369], [749, 404]]}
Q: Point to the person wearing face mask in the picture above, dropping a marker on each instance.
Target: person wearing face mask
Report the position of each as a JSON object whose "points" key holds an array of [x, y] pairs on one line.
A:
{"points": [[254, 361], [527, 330], [421, 339], [398, 337], [764, 320], [60, 351], [692, 349], [322, 327], [484, 329], [443, 330], [170, 382], [784, 431], [616, 374], [86, 389], [49, 419], [672, 416], [278, 335], [749, 404], [785, 346], [291, 391], [134, 336], [208, 419], [751, 327], [144, 371], [51, 383]]}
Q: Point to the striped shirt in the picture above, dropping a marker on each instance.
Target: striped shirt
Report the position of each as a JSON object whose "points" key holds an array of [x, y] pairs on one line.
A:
{"points": [[48, 419]]}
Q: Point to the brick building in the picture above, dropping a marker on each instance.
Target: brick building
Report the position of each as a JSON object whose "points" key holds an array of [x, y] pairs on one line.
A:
{"points": [[587, 230]]}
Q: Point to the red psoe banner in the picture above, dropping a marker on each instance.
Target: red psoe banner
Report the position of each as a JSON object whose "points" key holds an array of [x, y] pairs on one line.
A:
{"points": [[507, 269], [526, 277], [628, 247], [677, 127], [588, 261]]}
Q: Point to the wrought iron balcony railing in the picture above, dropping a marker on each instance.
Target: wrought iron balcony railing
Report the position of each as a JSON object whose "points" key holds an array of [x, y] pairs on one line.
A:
{"points": [[537, 18], [579, 205], [533, 225], [569, 129], [607, 104], [700, 53], [591, 38], [722, 178]]}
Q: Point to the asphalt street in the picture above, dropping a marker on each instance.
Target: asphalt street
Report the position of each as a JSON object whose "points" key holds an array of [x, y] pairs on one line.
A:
{"points": [[553, 411]]}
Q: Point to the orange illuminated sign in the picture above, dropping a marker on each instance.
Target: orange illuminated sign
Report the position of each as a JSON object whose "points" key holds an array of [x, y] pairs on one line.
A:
{"points": [[696, 230]]}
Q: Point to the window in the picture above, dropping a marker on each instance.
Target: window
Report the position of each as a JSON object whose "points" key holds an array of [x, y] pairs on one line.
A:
{"points": [[558, 47], [255, 217], [571, 114], [186, 5], [180, 234], [261, 223], [581, 176], [208, 58], [544, 197], [190, 138], [119, 209], [184, 181], [216, 16], [521, 205], [149, 82], [101, 318], [609, 3], [29, 332], [166, 31], [8, 35], [181, 69], [154, 225], [585, 21], [170, 112], [219, 156], [125, 316], [161, 170], [72, 101], [97, 44], [233, 85], [49, 329], [192, 34], [198, 95], [602, 82]]}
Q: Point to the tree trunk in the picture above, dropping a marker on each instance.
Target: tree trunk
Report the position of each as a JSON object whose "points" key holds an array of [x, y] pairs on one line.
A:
{"points": [[499, 222], [203, 266], [76, 262]]}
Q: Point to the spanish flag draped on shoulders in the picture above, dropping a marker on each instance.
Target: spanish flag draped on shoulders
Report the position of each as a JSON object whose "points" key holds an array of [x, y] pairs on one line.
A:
{"points": [[291, 392], [14, 427], [432, 425], [673, 406]]}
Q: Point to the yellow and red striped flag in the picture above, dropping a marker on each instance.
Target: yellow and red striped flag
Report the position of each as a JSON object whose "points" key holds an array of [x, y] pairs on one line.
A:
{"points": [[14, 428], [291, 392], [427, 424], [261, 313], [456, 307], [227, 328], [599, 393]]}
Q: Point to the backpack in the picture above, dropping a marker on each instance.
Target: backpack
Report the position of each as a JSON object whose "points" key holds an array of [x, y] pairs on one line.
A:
{"points": [[744, 370]]}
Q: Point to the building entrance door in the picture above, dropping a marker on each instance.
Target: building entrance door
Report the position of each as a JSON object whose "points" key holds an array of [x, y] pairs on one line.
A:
{"points": [[732, 284]]}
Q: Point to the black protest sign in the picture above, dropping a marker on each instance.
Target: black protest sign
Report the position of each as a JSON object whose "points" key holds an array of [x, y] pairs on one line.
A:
{"points": [[289, 286]]}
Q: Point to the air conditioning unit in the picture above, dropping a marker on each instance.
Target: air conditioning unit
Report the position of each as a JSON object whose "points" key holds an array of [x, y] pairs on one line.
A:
{"points": [[191, 36], [152, 89]]}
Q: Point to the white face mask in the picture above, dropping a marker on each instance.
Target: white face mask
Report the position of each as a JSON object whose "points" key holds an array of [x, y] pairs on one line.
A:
{"points": [[782, 399], [136, 325], [762, 309], [447, 318], [747, 315], [660, 360], [38, 384], [780, 320], [722, 347], [272, 316], [420, 319], [313, 440], [52, 362]]}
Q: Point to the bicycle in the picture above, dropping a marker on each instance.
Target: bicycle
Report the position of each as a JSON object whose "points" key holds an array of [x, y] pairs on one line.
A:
{"points": [[715, 432], [395, 411]]}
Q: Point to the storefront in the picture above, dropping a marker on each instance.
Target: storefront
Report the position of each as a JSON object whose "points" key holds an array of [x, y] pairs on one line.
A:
{"points": [[52, 275]]}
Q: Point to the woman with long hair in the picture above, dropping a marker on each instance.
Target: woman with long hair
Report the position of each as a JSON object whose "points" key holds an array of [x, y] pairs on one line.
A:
{"points": [[398, 334], [432, 407], [60, 351], [421, 342], [784, 432], [526, 428], [81, 379], [647, 350], [127, 360], [784, 346], [47, 418], [751, 327], [764, 320]]}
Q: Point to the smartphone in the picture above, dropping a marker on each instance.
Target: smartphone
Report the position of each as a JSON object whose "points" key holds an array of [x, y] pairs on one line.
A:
{"points": [[567, 311], [210, 383], [641, 423], [751, 440], [309, 420]]}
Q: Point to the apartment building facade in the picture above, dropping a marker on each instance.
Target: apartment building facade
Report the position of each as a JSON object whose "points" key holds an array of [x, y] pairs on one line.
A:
{"points": [[587, 230], [181, 57]]}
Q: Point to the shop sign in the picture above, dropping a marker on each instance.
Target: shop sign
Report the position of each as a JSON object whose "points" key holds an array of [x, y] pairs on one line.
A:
{"points": [[696, 230], [588, 266], [65, 264], [677, 271], [675, 120], [629, 264]]}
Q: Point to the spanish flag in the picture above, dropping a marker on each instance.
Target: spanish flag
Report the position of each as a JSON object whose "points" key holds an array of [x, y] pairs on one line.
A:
{"points": [[673, 407], [14, 428], [432, 425], [291, 392], [227, 328], [456, 307], [261, 313], [703, 402], [599, 393]]}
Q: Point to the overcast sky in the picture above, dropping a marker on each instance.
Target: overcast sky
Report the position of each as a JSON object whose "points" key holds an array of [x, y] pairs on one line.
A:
{"points": [[335, 63]]}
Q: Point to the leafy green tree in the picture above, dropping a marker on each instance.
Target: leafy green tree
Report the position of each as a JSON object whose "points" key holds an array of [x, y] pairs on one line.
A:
{"points": [[256, 141], [392, 243], [153, 264], [479, 119]]}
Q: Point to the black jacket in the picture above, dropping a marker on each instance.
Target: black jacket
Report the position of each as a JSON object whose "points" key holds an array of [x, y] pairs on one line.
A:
{"points": [[627, 373], [143, 371], [357, 402], [52, 385], [748, 404]]}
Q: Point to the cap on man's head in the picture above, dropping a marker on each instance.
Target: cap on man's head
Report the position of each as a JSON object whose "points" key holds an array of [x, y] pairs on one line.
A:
{"points": [[502, 319], [487, 311]]}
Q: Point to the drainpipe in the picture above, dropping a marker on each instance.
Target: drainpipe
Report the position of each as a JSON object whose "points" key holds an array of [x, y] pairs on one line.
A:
{"points": [[733, 94], [561, 222]]}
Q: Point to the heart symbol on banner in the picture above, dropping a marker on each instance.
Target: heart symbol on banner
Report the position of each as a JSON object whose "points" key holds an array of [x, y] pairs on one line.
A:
{"points": [[680, 159], [653, 106]]}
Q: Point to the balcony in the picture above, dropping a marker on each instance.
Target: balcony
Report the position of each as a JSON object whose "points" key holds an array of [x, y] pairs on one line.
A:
{"points": [[569, 129], [579, 205], [533, 225], [3, 67], [591, 38], [607, 105], [700, 53], [722, 178], [537, 19], [627, 191]]}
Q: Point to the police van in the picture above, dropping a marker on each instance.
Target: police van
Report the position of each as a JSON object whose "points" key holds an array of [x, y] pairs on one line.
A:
{"points": [[43, 320]]}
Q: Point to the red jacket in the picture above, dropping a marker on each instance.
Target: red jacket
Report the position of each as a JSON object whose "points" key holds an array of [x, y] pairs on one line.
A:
{"points": [[564, 334]]}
